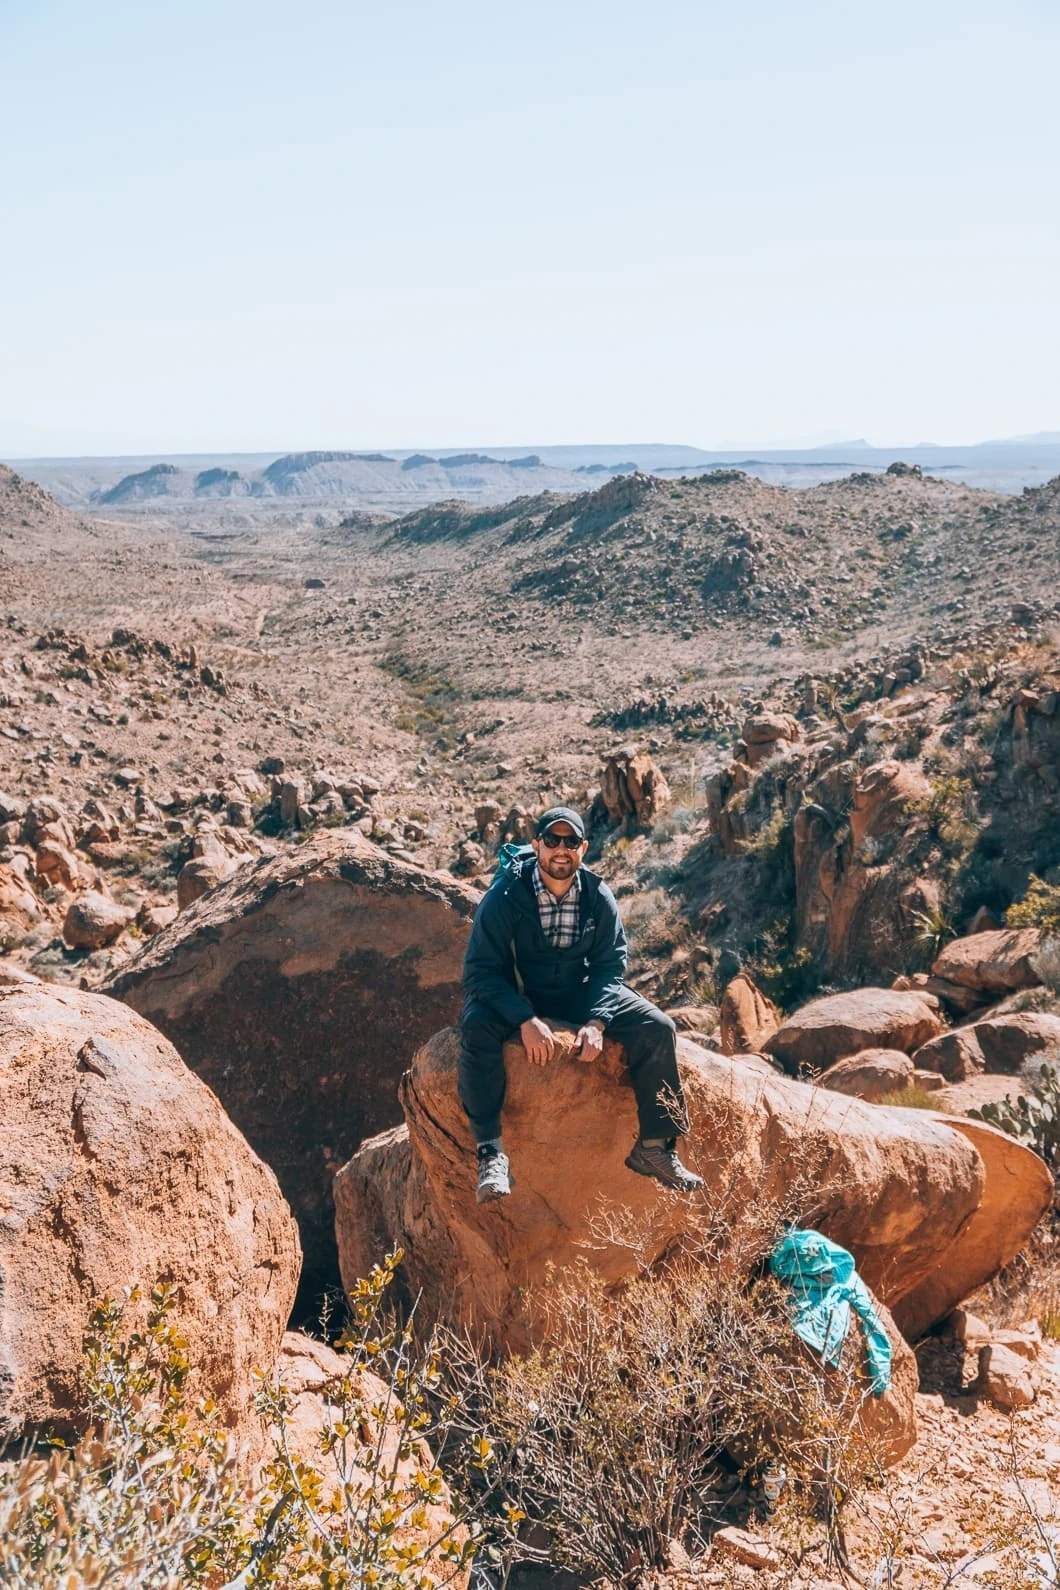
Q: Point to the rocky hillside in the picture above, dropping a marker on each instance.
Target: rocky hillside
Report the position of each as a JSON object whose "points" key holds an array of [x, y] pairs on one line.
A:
{"points": [[810, 565]]}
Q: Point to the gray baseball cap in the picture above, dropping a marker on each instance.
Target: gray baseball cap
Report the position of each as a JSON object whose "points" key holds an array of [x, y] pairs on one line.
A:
{"points": [[560, 814]]}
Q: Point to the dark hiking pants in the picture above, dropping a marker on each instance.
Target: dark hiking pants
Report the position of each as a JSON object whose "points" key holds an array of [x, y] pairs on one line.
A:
{"points": [[647, 1035]]}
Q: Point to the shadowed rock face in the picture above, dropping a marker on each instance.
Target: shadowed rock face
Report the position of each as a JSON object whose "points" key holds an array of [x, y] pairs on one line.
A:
{"points": [[298, 990], [898, 1188], [118, 1168]]}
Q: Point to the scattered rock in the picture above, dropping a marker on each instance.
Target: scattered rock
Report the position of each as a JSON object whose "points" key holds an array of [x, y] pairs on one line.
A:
{"points": [[1006, 1377], [632, 786], [746, 1017], [739, 1545], [954, 1055], [870, 1075], [991, 963], [201, 874], [93, 921], [764, 734], [152, 918], [838, 1025]]}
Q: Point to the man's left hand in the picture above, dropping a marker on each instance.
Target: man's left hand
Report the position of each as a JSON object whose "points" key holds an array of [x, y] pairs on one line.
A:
{"points": [[590, 1042]]}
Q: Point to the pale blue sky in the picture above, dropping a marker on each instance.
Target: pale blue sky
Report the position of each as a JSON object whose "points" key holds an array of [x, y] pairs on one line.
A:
{"points": [[228, 225]]}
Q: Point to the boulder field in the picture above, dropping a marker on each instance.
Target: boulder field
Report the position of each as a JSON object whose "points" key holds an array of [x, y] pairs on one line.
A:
{"points": [[298, 989], [119, 1168], [929, 1206]]}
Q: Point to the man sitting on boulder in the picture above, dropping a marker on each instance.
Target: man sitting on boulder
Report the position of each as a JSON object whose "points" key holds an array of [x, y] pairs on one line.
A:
{"points": [[547, 941]]}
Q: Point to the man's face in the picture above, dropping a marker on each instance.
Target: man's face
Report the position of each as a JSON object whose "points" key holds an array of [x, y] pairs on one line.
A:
{"points": [[556, 860]]}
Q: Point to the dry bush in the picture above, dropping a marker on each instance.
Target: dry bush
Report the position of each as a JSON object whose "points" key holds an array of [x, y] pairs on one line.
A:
{"points": [[153, 1499], [642, 1407]]}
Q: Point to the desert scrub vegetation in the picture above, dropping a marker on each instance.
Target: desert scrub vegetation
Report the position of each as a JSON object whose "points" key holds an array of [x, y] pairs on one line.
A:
{"points": [[640, 1411], [153, 1497]]}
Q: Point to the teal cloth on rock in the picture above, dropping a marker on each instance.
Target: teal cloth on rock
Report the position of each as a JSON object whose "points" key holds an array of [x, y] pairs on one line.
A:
{"points": [[824, 1287]]}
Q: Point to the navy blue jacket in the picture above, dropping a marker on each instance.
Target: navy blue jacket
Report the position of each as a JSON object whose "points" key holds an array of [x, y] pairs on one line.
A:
{"points": [[511, 967]]}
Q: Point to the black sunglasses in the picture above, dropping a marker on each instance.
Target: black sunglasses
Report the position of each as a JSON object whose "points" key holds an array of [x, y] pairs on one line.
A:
{"points": [[553, 841]]}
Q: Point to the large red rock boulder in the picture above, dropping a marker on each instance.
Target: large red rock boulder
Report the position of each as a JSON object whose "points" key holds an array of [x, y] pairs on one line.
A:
{"points": [[118, 1168], [838, 1025], [297, 990], [746, 1017], [895, 1187], [1001, 1046], [991, 963], [1017, 1191]]}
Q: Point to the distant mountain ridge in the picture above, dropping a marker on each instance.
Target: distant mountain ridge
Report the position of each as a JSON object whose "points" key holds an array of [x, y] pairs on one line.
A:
{"points": [[399, 480]]}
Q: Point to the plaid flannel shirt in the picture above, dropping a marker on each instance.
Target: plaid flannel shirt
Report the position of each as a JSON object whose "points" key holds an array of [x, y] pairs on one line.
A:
{"points": [[560, 918]]}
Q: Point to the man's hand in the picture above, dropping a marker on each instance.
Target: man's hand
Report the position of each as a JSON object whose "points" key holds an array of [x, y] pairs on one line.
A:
{"points": [[537, 1041], [590, 1042]]}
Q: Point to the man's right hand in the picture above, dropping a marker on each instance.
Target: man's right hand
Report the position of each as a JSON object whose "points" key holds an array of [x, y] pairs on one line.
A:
{"points": [[538, 1041]]}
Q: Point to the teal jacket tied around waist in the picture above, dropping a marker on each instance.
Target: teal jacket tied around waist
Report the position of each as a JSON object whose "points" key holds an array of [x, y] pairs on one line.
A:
{"points": [[511, 966], [823, 1287]]}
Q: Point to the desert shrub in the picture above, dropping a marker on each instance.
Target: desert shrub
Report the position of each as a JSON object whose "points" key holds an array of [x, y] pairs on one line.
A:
{"points": [[910, 1099], [1040, 907], [152, 1497], [622, 1427], [948, 811], [764, 844]]}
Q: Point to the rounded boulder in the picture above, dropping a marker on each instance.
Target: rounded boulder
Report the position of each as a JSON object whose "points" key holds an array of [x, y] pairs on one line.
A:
{"points": [[119, 1169], [298, 990]]}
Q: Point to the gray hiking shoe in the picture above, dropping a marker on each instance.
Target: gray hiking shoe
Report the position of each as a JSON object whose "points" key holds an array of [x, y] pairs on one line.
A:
{"points": [[494, 1176], [663, 1164]]}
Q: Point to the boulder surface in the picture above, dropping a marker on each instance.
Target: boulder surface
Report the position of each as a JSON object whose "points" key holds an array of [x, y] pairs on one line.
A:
{"points": [[996, 962], [896, 1187], [829, 1029], [870, 1075], [118, 1168], [297, 990]]}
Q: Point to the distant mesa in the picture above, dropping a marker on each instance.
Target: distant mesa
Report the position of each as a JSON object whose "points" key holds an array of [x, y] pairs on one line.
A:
{"points": [[531, 461], [466, 460], [281, 469], [628, 468], [153, 482], [418, 461], [216, 482]]}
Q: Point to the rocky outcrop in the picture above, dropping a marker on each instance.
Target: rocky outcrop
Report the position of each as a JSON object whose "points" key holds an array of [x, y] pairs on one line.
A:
{"points": [[632, 786], [898, 1188], [118, 1168], [991, 963], [297, 990], [746, 1017], [855, 905], [829, 1029], [766, 734]]}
